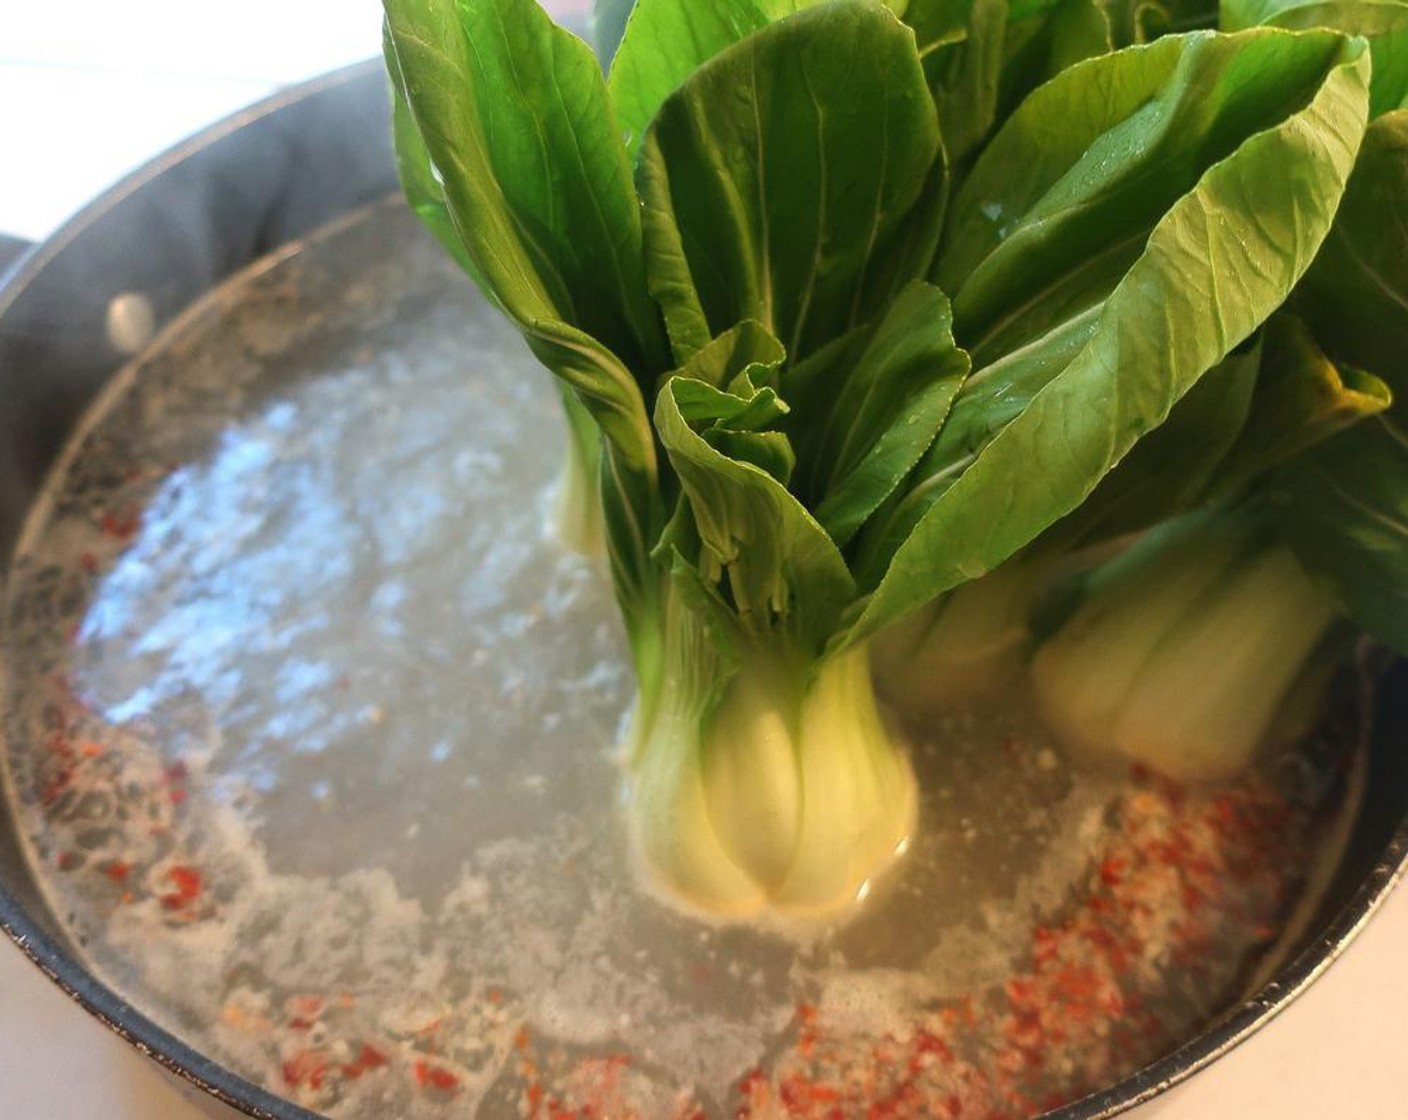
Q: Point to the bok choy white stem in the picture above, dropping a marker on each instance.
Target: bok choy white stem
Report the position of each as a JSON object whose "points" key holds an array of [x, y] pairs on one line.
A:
{"points": [[1183, 649]]}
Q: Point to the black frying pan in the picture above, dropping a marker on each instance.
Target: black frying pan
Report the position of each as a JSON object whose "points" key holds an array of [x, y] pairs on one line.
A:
{"points": [[228, 197]]}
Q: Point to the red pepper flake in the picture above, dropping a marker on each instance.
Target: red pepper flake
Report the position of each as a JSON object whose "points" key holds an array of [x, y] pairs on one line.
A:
{"points": [[1164, 891], [121, 525], [304, 1007], [520, 1039], [368, 1058], [1025, 1031], [1112, 871], [67, 861], [1021, 990], [435, 1077], [117, 870], [187, 883], [928, 1043], [307, 1067], [754, 1091], [89, 563]]}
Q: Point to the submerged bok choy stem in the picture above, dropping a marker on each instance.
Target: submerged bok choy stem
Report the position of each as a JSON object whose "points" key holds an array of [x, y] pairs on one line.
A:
{"points": [[1183, 648], [969, 646], [766, 782]]}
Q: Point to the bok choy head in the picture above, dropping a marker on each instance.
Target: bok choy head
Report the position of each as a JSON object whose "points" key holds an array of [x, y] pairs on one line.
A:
{"points": [[857, 319], [1186, 652]]}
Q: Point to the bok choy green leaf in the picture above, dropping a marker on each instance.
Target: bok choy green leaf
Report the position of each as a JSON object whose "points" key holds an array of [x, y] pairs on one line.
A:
{"points": [[826, 397]]}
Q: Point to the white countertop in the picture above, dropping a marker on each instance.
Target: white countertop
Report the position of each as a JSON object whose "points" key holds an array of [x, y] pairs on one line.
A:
{"points": [[91, 90]]}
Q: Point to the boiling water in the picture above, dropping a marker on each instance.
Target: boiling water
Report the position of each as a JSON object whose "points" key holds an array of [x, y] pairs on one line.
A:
{"points": [[311, 728]]}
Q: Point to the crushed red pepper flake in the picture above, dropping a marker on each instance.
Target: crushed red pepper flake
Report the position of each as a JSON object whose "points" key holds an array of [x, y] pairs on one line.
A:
{"points": [[368, 1058], [1177, 874], [434, 1077], [121, 525], [306, 1068], [187, 885]]}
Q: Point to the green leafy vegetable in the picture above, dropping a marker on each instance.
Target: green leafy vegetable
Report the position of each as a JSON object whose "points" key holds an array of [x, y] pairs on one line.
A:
{"points": [[1042, 39], [786, 174], [1172, 469], [1355, 299], [1301, 399], [1143, 21], [1383, 22], [665, 42], [1344, 507], [1345, 512], [963, 66], [1229, 583], [897, 379], [827, 398], [1057, 225]]}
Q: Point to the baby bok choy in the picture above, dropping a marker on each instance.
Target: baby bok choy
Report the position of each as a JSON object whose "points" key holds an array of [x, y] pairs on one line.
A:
{"points": [[1186, 651], [824, 396]]}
